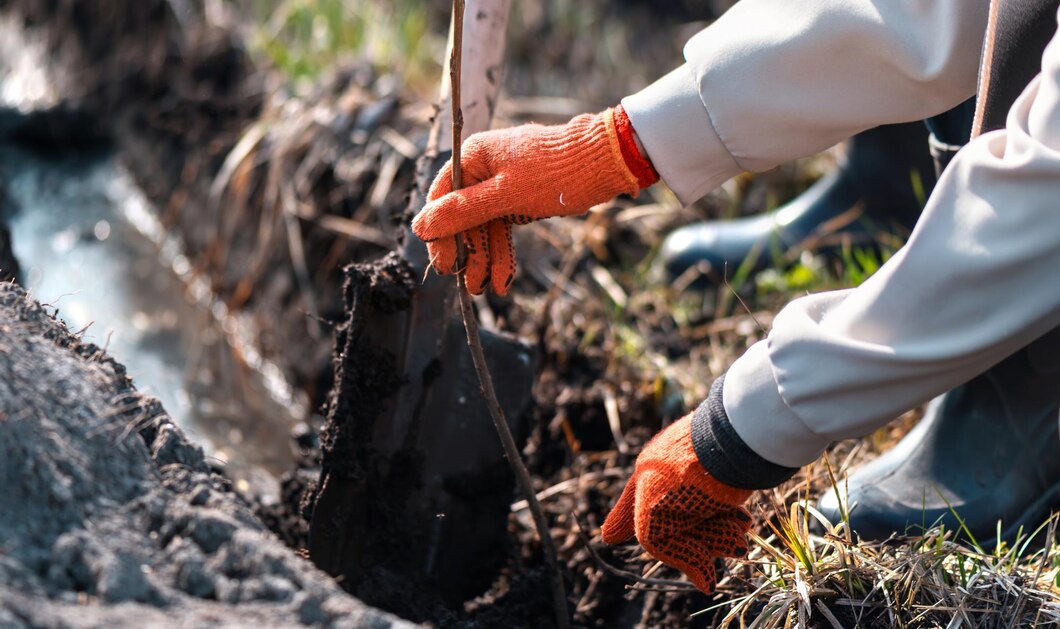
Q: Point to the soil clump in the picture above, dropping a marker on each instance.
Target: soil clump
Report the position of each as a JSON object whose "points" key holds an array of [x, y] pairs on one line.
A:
{"points": [[113, 518]]}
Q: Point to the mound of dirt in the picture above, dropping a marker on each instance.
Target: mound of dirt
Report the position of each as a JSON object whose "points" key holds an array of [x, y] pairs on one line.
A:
{"points": [[112, 518]]}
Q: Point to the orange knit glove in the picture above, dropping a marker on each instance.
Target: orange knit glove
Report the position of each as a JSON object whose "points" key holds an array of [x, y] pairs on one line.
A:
{"points": [[524, 174], [681, 515]]}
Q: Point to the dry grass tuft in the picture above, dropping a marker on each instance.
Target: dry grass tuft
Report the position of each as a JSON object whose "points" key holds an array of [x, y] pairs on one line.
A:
{"points": [[793, 575]]}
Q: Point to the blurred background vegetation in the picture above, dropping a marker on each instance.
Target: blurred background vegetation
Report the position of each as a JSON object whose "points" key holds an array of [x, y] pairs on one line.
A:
{"points": [[593, 51], [305, 38]]}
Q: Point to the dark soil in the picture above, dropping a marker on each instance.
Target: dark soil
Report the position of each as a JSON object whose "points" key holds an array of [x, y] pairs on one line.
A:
{"points": [[411, 509], [112, 518], [9, 267]]}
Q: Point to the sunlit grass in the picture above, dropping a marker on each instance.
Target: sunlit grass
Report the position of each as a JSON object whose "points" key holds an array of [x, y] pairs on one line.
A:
{"points": [[303, 39], [811, 273], [807, 578]]}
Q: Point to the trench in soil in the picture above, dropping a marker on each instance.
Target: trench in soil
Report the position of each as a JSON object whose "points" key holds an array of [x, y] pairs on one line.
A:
{"points": [[89, 246]]}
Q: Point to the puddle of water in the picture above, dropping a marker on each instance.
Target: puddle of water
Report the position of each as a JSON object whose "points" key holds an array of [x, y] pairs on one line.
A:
{"points": [[89, 246]]}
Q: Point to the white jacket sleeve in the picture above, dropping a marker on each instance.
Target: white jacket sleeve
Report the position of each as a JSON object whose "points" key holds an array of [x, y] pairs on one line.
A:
{"points": [[773, 80], [977, 281]]}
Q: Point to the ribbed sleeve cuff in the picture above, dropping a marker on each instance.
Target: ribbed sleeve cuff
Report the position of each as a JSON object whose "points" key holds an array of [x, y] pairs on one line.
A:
{"points": [[724, 454], [679, 137]]}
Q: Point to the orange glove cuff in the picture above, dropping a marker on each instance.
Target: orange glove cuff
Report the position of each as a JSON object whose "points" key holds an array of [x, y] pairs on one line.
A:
{"points": [[638, 163], [672, 461]]}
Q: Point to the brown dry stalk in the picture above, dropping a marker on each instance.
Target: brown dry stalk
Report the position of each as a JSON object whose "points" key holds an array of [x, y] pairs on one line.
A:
{"points": [[474, 343], [660, 585]]}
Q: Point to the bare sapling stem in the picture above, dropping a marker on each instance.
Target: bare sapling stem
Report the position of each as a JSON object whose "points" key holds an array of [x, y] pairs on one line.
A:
{"points": [[474, 343], [454, 97]]}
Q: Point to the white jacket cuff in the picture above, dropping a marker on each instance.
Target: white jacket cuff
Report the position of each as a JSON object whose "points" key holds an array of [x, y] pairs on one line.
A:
{"points": [[761, 417], [679, 137]]}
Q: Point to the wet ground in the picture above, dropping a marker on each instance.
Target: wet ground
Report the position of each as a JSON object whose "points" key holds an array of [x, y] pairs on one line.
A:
{"points": [[84, 237], [90, 246]]}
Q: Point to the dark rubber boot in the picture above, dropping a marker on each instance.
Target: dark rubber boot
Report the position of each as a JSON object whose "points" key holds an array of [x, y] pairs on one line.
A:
{"points": [[990, 449], [871, 194]]}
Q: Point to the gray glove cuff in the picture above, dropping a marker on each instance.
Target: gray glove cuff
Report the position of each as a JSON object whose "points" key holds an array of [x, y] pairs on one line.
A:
{"points": [[724, 454]]}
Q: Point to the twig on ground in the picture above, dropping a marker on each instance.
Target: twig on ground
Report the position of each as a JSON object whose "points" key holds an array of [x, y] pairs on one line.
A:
{"points": [[660, 585], [353, 230], [570, 261], [301, 271], [743, 304], [478, 357], [614, 420], [571, 483]]}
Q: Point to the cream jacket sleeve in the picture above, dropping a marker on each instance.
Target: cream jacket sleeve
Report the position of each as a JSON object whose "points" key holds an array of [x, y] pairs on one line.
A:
{"points": [[977, 279], [773, 80]]}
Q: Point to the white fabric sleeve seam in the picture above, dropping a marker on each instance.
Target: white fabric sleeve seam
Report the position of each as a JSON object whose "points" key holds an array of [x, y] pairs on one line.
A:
{"points": [[679, 136], [783, 397], [721, 139], [762, 417]]}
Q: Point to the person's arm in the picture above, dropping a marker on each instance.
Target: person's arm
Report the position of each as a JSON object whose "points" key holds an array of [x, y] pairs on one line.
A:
{"points": [[976, 282], [769, 81], [773, 80]]}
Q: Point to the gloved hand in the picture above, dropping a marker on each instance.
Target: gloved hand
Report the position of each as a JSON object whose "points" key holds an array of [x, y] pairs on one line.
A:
{"points": [[524, 174], [681, 515]]}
